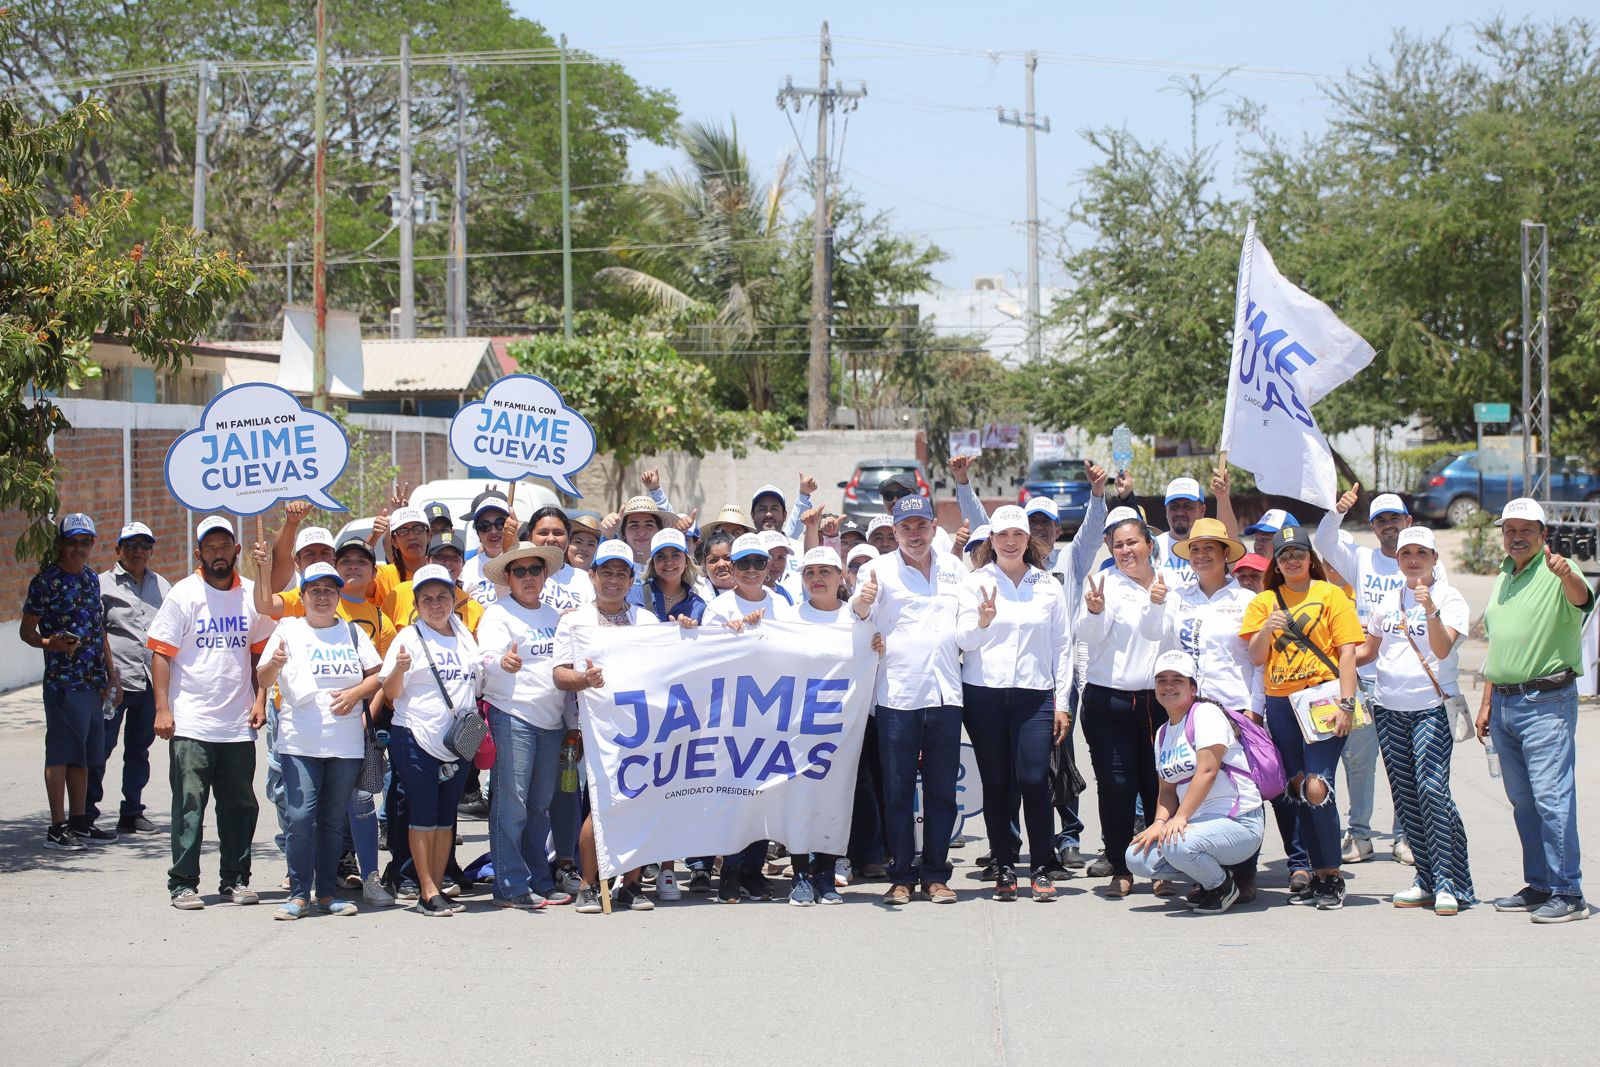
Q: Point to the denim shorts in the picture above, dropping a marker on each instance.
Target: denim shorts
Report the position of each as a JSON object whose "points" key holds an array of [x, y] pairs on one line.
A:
{"points": [[74, 728], [432, 803]]}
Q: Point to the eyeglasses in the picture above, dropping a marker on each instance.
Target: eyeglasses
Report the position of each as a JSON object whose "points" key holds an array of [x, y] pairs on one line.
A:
{"points": [[751, 563], [485, 525], [531, 570]]}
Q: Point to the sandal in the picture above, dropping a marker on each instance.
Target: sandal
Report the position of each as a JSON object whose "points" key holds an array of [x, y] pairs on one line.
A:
{"points": [[1163, 887], [1120, 886]]}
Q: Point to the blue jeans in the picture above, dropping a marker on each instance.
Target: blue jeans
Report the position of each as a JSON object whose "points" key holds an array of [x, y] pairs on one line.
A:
{"points": [[934, 734], [364, 830], [275, 790], [1011, 737], [566, 816], [138, 711], [1209, 844], [526, 759], [1535, 735], [318, 799], [1319, 823]]}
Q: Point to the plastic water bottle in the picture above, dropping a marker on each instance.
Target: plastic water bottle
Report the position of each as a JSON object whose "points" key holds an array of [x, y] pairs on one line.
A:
{"points": [[108, 708], [1494, 759], [568, 781], [1121, 448]]}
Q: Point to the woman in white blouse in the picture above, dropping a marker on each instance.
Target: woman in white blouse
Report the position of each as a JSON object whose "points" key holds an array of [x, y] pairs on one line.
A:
{"points": [[529, 719], [431, 676], [1119, 708], [1413, 636], [1012, 629], [324, 669]]}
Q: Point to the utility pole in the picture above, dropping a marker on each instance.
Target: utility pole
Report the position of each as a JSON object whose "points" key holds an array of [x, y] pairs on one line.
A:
{"points": [[1030, 124], [288, 274], [202, 130], [821, 358], [458, 220], [1535, 361], [319, 240], [407, 218], [566, 204]]}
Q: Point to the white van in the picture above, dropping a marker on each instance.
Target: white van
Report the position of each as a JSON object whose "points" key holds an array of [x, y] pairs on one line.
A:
{"points": [[457, 494]]}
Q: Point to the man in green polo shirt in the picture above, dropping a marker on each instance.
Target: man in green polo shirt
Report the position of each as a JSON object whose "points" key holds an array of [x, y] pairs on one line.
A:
{"points": [[1530, 708]]}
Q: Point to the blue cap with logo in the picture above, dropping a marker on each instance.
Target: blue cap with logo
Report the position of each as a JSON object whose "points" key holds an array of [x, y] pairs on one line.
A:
{"points": [[912, 507], [76, 524], [1272, 521]]}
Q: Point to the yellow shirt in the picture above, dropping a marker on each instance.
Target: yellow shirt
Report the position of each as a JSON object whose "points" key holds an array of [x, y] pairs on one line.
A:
{"points": [[1324, 614], [384, 580], [364, 613], [401, 606]]}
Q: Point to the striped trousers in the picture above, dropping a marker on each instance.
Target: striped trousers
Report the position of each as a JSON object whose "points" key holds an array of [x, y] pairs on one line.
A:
{"points": [[1416, 747]]}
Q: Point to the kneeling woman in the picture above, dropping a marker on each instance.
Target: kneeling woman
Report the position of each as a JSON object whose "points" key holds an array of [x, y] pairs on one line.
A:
{"points": [[431, 676], [325, 668], [1208, 816]]}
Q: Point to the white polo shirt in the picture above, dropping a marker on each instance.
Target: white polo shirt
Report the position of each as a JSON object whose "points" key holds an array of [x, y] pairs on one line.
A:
{"points": [[916, 615], [1027, 644], [209, 635], [530, 694]]}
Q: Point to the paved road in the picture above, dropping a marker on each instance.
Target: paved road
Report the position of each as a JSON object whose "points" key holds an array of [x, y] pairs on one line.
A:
{"points": [[96, 968]]}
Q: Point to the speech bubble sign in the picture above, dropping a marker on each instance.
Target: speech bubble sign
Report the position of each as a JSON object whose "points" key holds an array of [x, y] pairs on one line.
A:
{"points": [[523, 428], [257, 445]]}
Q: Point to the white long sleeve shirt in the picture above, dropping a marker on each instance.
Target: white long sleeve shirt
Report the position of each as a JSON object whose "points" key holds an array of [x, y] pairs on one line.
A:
{"points": [[973, 513], [1124, 638], [1207, 628], [530, 694], [1074, 562], [916, 615], [1027, 645]]}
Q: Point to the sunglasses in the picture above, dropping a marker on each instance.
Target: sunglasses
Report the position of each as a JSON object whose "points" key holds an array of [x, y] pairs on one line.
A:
{"points": [[1294, 553], [751, 563], [485, 525], [531, 570]]}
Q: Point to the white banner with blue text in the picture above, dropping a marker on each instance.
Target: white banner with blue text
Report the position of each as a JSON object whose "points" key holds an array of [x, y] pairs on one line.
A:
{"points": [[703, 741]]}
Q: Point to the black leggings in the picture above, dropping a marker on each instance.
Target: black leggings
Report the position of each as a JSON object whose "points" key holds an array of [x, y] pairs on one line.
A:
{"points": [[1120, 729]]}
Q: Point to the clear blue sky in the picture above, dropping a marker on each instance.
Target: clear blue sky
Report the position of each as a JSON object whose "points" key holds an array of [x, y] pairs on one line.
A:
{"points": [[926, 144]]}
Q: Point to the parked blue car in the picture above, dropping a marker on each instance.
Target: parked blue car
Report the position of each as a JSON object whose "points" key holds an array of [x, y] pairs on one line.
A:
{"points": [[1451, 489], [1066, 481]]}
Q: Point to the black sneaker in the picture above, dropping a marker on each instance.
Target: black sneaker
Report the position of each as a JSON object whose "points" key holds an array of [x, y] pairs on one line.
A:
{"points": [[93, 834], [1305, 892], [631, 896], [349, 873], [474, 805], [651, 872], [136, 825], [1525, 899], [1218, 900], [383, 836], [1330, 897], [588, 901], [986, 860], [61, 839], [728, 886], [991, 870], [436, 907], [756, 885], [1072, 858], [1100, 868], [699, 882], [1005, 884]]}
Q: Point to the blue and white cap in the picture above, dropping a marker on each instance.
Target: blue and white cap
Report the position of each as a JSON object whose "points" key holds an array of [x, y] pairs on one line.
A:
{"points": [[912, 507], [134, 529], [214, 522], [1272, 521], [428, 572], [668, 538], [1041, 505], [614, 549], [76, 524], [979, 536], [1121, 515], [1386, 504], [747, 545], [1184, 489], [325, 570]]}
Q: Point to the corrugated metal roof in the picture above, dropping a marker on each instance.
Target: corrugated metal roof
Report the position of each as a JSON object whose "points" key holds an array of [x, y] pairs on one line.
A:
{"points": [[406, 367]]}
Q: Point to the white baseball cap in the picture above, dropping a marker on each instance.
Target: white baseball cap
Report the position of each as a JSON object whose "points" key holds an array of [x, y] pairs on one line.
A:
{"points": [[1184, 489], [323, 570], [406, 516], [821, 556], [774, 541], [1524, 507], [428, 572], [135, 529], [1177, 661], [1121, 515], [1384, 504], [1417, 535], [978, 536], [669, 538], [614, 549], [1011, 517], [769, 490], [879, 522], [312, 535], [1037, 505], [214, 522], [861, 552], [746, 545]]}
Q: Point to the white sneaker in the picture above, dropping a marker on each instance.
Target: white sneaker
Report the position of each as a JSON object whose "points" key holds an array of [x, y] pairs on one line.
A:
{"points": [[1355, 849], [1446, 904], [373, 891], [667, 886], [1402, 853], [841, 873], [1417, 897]]}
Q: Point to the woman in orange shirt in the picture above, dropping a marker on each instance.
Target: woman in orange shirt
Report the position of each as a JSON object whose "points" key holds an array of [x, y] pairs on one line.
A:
{"points": [[1304, 631]]}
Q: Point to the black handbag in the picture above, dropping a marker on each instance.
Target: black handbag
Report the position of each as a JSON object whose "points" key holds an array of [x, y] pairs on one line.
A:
{"points": [[466, 734]]}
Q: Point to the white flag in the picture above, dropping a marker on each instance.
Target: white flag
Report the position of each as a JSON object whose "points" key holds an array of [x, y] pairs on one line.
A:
{"points": [[1289, 351]]}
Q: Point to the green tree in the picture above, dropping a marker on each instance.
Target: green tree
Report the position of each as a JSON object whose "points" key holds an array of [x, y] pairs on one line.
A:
{"points": [[640, 395], [67, 276], [261, 151]]}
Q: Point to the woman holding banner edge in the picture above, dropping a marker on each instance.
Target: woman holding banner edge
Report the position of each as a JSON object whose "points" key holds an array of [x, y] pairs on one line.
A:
{"points": [[1013, 629]]}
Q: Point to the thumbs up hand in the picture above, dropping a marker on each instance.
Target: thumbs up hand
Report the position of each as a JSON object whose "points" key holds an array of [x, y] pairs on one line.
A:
{"points": [[1424, 595], [1158, 591], [1349, 499], [592, 676], [510, 662]]}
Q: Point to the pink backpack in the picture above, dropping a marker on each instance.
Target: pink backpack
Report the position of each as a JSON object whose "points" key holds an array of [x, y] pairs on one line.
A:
{"points": [[1266, 766]]}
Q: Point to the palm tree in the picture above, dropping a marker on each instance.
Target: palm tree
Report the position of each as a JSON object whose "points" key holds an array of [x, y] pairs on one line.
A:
{"points": [[721, 234]]}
